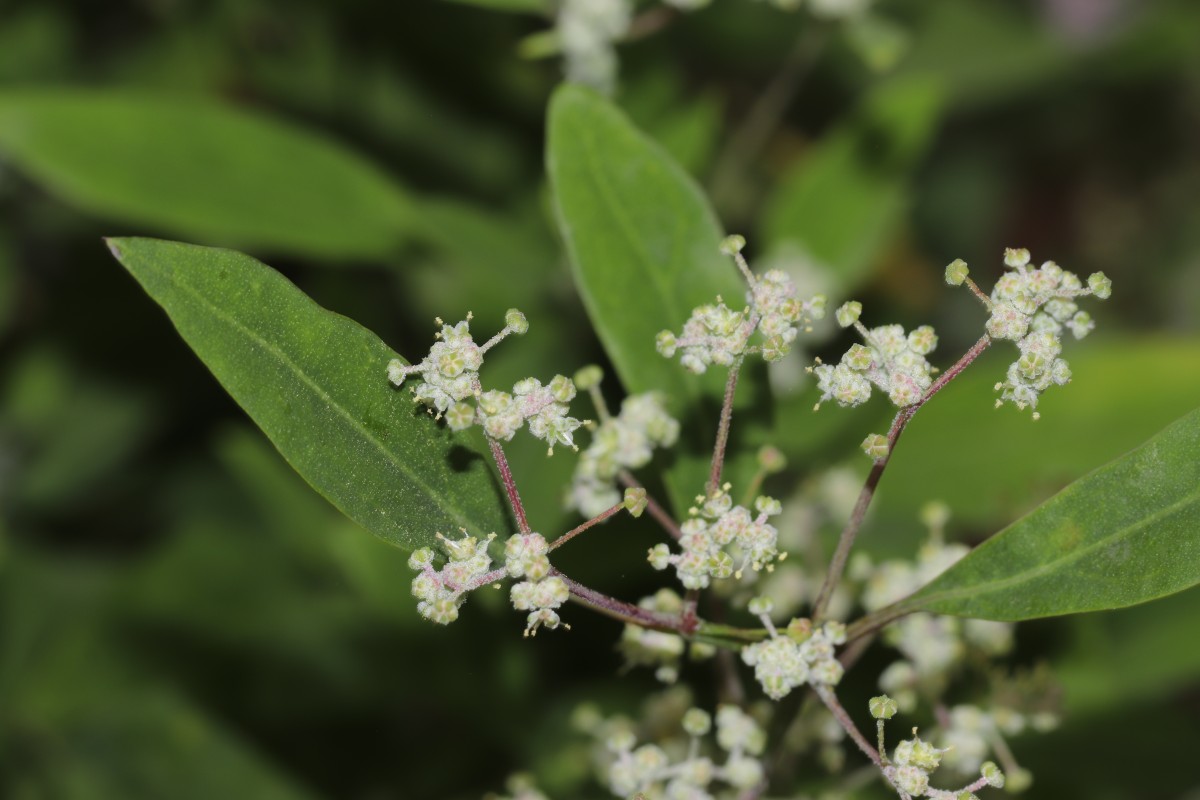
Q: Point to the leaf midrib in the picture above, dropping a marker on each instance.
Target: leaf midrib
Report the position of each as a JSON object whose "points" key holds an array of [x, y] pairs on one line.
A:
{"points": [[217, 311]]}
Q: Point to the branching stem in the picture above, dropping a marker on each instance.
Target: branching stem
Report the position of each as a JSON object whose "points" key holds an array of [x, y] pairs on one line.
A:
{"points": [[838, 565], [596, 520], [718, 459], [510, 485]]}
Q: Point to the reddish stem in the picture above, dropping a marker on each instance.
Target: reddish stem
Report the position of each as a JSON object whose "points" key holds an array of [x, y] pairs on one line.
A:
{"points": [[596, 520], [510, 486], [838, 565], [620, 610], [718, 459]]}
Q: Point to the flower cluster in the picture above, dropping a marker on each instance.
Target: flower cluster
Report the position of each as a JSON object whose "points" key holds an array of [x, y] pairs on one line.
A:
{"points": [[720, 540], [544, 407], [798, 656], [441, 592], [525, 556], [971, 734], [1032, 307], [915, 759], [891, 359], [718, 334], [626, 441], [659, 649], [450, 382], [588, 30], [649, 768]]}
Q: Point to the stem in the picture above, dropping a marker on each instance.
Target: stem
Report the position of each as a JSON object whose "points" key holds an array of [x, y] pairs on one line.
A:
{"points": [[658, 512], [764, 116], [620, 610], [831, 702], [838, 565], [718, 459], [596, 520], [510, 486]]}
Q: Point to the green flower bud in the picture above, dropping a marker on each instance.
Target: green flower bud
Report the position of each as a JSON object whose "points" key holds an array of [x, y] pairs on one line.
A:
{"points": [[956, 272], [848, 313], [882, 707], [992, 774], [875, 446], [588, 376], [562, 389], [635, 501], [1100, 284], [696, 722], [771, 459], [460, 416], [733, 244], [515, 321]]}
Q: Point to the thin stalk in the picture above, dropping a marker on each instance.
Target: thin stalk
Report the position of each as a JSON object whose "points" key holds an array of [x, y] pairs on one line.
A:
{"points": [[846, 541], [657, 511], [831, 702], [596, 520], [619, 609], [718, 459], [510, 485]]}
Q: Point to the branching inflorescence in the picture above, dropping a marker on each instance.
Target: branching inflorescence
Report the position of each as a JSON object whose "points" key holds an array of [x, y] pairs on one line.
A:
{"points": [[727, 546]]}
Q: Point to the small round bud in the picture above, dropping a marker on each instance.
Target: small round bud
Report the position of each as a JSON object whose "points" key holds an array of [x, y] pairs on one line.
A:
{"points": [[665, 343], [562, 389], [1016, 257], [515, 321], [733, 244], [800, 629], [848, 313], [1100, 284], [659, 556], [761, 605], [768, 505], [460, 416], [992, 774], [875, 446], [697, 722], [957, 272], [636, 501], [621, 740], [934, 514], [882, 707], [771, 459], [1018, 780], [589, 376], [966, 795]]}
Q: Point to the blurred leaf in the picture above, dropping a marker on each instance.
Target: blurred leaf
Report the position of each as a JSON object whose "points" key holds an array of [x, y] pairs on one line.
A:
{"points": [[8, 282], [315, 383], [1125, 534], [71, 431], [684, 123], [990, 465], [839, 203], [643, 243], [205, 170], [35, 44], [1130, 656]]}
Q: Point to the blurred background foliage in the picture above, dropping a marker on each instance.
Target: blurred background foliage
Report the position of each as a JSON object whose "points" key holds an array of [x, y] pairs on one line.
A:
{"points": [[180, 616]]}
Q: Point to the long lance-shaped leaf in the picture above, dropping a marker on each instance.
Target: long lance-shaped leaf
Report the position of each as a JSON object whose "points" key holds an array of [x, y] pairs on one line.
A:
{"points": [[316, 383], [206, 170], [1125, 534], [644, 245]]}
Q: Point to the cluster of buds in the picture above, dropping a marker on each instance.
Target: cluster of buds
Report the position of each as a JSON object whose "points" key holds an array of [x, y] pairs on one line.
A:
{"points": [[626, 441], [1032, 307], [796, 657], [914, 760], [891, 359], [649, 768], [441, 592], [449, 385], [525, 556], [718, 334], [720, 540], [658, 649]]}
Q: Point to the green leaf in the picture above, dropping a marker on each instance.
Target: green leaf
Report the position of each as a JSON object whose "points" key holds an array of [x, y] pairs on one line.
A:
{"points": [[204, 170], [840, 203], [315, 383], [1125, 534], [643, 243]]}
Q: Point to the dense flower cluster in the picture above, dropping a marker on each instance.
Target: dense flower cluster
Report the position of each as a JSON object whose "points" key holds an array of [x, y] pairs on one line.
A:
{"points": [[525, 556], [796, 657], [1032, 307], [450, 386], [721, 540], [890, 359], [626, 441], [650, 770], [440, 592], [718, 334]]}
